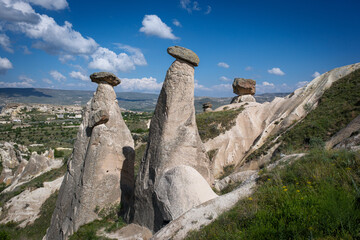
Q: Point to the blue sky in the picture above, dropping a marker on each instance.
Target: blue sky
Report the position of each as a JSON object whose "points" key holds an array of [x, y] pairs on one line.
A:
{"points": [[280, 44]]}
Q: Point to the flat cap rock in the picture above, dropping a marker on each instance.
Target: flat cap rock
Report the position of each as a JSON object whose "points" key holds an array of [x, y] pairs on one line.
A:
{"points": [[242, 86], [184, 54], [101, 77]]}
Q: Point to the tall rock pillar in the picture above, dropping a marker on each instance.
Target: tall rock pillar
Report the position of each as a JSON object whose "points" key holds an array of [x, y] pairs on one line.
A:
{"points": [[175, 171], [101, 171]]}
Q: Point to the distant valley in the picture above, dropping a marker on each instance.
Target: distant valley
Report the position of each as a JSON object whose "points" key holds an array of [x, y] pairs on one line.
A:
{"points": [[129, 100]]}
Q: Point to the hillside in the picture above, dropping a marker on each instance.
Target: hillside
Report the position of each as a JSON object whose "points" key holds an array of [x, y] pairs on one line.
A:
{"points": [[128, 100]]}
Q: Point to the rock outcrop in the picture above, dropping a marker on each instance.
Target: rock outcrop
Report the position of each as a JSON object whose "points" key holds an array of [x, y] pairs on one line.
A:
{"points": [[101, 171], [207, 107], [258, 121], [244, 88], [175, 158]]}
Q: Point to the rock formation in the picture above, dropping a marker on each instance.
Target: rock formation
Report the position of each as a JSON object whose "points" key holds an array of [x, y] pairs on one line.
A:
{"points": [[244, 88], [101, 171], [175, 159], [207, 107], [259, 121]]}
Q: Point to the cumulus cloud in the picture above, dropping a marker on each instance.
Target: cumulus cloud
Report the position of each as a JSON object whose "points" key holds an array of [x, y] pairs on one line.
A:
{"points": [[107, 60], [50, 4], [224, 79], [5, 43], [198, 86], [224, 65], [140, 84], [26, 50], [301, 84], [208, 10], [46, 80], [79, 75], [190, 6], [267, 84], [56, 39], [316, 74], [5, 65], [152, 25], [57, 76], [18, 11], [26, 82], [276, 71], [176, 23], [136, 55], [248, 68]]}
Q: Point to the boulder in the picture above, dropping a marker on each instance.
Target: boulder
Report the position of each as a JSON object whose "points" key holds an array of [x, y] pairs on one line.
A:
{"points": [[207, 107], [243, 98], [173, 141], [101, 77], [184, 54], [242, 86], [101, 170]]}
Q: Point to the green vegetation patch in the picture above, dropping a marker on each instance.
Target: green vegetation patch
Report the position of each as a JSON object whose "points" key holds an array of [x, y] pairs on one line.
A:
{"points": [[212, 124], [139, 153], [111, 221], [337, 107], [317, 197], [35, 231]]}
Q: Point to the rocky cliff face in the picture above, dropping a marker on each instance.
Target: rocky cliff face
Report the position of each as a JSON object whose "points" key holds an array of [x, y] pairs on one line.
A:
{"points": [[100, 173], [258, 121], [175, 157]]}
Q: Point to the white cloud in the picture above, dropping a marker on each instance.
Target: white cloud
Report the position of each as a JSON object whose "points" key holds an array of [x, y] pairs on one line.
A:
{"points": [[316, 74], [136, 55], [50, 4], [56, 39], [26, 82], [224, 79], [79, 75], [26, 50], [301, 84], [107, 60], [276, 71], [208, 10], [196, 6], [248, 68], [223, 87], [185, 5], [5, 65], [18, 11], [48, 81], [152, 25], [140, 84], [57, 76], [5, 43], [198, 86], [224, 65], [267, 84], [176, 23]]}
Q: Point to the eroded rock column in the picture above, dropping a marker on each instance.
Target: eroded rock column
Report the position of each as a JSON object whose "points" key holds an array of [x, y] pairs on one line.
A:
{"points": [[101, 171], [175, 171]]}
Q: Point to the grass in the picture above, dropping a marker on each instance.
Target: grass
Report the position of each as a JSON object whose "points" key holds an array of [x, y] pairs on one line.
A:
{"points": [[111, 221], [317, 197], [34, 231], [337, 107], [212, 124]]}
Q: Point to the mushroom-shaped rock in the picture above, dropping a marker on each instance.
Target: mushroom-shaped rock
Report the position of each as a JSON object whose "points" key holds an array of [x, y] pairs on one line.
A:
{"points": [[207, 107], [242, 86], [184, 54], [101, 77], [101, 170]]}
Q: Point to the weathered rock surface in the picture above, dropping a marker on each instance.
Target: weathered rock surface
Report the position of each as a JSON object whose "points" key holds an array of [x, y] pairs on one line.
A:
{"points": [[173, 141], [129, 232], [184, 54], [207, 107], [243, 98], [345, 133], [242, 86], [258, 121], [100, 173], [102, 77], [25, 207]]}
